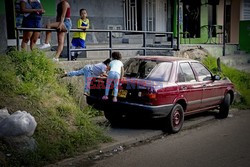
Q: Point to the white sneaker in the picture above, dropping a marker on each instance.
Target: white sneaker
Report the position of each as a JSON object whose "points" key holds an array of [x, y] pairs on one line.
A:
{"points": [[45, 46], [55, 59]]}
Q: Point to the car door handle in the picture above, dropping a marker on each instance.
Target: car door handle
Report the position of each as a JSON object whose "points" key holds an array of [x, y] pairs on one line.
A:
{"points": [[183, 87], [204, 85]]}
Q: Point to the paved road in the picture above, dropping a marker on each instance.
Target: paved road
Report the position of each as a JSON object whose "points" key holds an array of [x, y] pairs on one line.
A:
{"points": [[218, 143]]}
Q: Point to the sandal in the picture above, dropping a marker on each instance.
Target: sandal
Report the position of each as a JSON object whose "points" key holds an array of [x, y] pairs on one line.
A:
{"points": [[105, 98], [86, 94], [114, 99]]}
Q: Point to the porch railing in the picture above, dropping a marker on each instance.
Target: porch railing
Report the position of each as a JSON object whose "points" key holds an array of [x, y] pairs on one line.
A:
{"points": [[144, 47]]}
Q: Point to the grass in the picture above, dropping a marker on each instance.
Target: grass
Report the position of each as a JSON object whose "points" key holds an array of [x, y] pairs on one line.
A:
{"points": [[240, 79], [31, 82]]}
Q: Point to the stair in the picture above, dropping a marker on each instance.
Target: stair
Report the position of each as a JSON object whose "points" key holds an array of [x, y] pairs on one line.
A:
{"points": [[240, 60]]}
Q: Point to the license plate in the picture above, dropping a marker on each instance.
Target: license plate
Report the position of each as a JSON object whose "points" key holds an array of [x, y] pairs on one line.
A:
{"points": [[121, 93]]}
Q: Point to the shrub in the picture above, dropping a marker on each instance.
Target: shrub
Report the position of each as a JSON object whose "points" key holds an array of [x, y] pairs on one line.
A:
{"points": [[29, 81], [240, 79]]}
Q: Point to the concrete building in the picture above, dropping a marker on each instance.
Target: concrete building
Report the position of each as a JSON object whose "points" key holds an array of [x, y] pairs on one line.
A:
{"points": [[201, 21]]}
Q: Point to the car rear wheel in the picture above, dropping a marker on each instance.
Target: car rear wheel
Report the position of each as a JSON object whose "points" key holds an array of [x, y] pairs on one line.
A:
{"points": [[224, 107], [175, 119]]}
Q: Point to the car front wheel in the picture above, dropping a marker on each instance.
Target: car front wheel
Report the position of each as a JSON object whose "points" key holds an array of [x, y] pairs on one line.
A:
{"points": [[224, 107], [175, 119]]}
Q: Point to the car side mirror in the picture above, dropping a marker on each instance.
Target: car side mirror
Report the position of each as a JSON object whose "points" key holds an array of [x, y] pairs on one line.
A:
{"points": [[216, 77]]}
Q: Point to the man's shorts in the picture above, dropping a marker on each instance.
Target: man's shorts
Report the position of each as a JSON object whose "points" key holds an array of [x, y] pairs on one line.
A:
{"points": [[78, 42]]}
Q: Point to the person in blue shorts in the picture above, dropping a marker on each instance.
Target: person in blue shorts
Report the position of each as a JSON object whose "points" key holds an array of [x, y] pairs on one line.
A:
{"points": [[32, 14], [79, 38]]}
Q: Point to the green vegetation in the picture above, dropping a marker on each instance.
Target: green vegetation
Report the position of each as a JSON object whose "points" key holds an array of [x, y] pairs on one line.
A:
{"points": [[31, 82], [240, 79]]}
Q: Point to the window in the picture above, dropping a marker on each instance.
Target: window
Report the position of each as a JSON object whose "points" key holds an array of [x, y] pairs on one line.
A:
{"points": [[162, 72], [137, 68], [185, 73], [147, 69], [202, 72]]}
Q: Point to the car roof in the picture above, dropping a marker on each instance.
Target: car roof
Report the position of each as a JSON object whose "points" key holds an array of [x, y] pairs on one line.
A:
{"points": [[163, 58]]}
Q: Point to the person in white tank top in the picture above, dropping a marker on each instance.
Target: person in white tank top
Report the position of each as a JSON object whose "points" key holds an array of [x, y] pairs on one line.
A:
{"points": [[115, 73]]}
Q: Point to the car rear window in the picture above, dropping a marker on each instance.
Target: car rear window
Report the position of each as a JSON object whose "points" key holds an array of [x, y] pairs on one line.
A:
{"points": [[147, 69]]}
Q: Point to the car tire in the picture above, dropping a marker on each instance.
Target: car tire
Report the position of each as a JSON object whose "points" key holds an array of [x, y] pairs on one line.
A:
{"points": [[175, 119], [224, 107], [114, 119]]}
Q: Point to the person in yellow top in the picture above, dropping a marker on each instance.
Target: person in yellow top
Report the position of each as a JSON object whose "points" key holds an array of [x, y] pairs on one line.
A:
{"points": [[80, 37]]}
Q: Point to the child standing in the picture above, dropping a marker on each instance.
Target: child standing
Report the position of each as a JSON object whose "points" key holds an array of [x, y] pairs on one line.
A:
{"points": [[80, 37], [116, 72]]}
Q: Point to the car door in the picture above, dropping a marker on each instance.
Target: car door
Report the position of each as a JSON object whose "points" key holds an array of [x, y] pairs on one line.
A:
{"points": [[189, 88], [212, 90]]}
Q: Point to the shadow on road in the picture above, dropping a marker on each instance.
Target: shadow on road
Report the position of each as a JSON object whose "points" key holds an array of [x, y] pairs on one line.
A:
{"points": [[157, 124]]}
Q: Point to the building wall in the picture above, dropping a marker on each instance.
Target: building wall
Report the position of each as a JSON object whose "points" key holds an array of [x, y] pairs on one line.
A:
{"points": [[235, 21], [3, 31], [100, 13], [220, 12]]}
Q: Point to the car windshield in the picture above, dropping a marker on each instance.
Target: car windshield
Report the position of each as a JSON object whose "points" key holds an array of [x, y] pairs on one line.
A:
{"points": [[147, 69]]}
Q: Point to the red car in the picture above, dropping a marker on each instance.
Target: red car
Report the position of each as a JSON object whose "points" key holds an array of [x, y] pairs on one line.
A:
{"points": [[164, 87]]}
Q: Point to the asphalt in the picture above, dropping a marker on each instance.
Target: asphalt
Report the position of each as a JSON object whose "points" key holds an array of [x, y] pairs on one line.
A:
{"points": [[131, 135]]}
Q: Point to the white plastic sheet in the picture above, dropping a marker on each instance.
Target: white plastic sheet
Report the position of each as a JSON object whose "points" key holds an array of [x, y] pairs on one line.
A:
{"points": [[17, 124]]}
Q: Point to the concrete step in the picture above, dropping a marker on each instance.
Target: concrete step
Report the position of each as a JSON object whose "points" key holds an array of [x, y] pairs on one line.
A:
{"points": [[137, 38], [157, 52], [236, 60], [245, 68], [240, 52]]}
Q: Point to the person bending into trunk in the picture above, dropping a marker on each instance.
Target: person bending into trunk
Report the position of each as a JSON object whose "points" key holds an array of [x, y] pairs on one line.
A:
{"points": [[116, 72], [89, 71]]}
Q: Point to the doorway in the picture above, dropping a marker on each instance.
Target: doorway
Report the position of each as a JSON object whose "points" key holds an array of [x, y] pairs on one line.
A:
{"points": [[131, 15], [161, 15], [191, 17], [155, 15], [147, 15], [10, 18]]}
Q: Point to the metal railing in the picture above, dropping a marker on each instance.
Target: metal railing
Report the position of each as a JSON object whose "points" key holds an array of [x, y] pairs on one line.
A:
{"points": [[110, 32]]}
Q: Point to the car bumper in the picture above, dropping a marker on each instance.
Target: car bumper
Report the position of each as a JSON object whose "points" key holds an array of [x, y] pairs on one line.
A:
{"points": [[133, 109]]}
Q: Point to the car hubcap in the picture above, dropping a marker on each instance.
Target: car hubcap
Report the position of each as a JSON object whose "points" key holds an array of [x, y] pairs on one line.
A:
{"points": [[176, 118]]}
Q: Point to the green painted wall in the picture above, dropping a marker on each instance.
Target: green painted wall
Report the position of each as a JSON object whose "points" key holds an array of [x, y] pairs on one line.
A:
{"points": [[49, 7], [2, 7], [245, 35]]}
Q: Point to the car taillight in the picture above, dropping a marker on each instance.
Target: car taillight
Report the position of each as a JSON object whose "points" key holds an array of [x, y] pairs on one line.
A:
{"points": [[148, 93], [152, 96]]}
